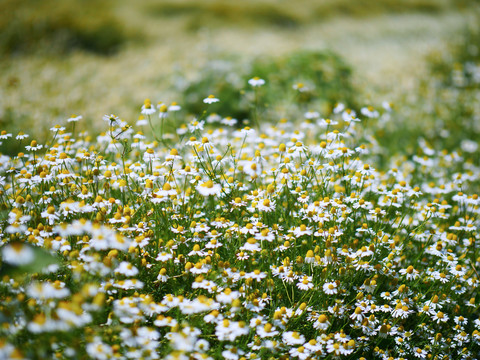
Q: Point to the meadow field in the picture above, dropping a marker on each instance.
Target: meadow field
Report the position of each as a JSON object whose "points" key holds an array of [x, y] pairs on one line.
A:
{"points": [[240, 180]]}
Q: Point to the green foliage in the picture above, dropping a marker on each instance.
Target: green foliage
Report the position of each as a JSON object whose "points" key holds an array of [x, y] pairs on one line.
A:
{"points": [[325, 77], [324, 73], [59, 27]]}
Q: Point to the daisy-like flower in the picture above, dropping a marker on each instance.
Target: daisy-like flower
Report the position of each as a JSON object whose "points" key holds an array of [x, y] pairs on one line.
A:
{"points": [[410, 273], [342, 337], [293, 338], [369, 112], [17, 253], [142, 121], [227, 296], [208, 188], [127, 269], [112, 119], [34, 146], [335, 348], [164, 256], [74, 118], [4, 135], [440, 317], [21, 136], [251, 245], [230, 330], [305, 283], [148, 108], [330, 288], [460, 320], [311, 115], [419, 353], [266, 205], [47, 290], [210, 99], [300, 87], [165, 321], [339, 107], [266, 235], [326, 122], [357, 314], [237, 203], [256, 275], [174, 107], [302, 230], [193, 126], [256, 82], [268, 330], [321, 322], [99, 350], [349, 115], [232, 353], [401, 311], [162, 275], [229, 121], [301, 352], [309, 257]]}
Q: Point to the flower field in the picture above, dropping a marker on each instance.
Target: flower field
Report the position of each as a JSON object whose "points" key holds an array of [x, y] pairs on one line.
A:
{"points": [[278, 240], [281, 217]]}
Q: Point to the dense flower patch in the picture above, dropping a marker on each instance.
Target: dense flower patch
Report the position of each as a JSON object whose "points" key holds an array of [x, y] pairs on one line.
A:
{"points": [[281, 241]]}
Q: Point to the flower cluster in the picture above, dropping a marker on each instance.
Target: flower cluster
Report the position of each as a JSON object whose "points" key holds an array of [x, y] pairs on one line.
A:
{"points": [[238, 243]]}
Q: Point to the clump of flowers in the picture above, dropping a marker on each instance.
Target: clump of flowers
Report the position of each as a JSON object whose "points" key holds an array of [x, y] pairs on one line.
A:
{"points": [[280, 241]]}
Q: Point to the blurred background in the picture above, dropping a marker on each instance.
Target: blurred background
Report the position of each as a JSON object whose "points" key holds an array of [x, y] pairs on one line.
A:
{"points": [[91, 58]]}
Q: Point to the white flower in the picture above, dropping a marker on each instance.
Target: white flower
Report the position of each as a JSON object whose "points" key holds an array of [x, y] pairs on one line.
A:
{"points": [[338, 108], [469, 146], [369, 112], [209, 188], [127, 269], [305, 283], [114, 120], [210, 99], [293, 338], [300, 87], [330, 288], [174, 107], [440, 317], [311, 115], [17, 253], [164, 257], [230, 330], [302, 230], [21, 136], [256, 81], [74, 118]]}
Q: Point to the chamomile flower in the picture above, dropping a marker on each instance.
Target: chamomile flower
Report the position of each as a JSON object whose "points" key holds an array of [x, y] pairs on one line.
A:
{"points": [[305, 283], [440, 317], [256, 82], [126, 268], [148, 108], [17, 253], [209, 188], [210, 99], [330, 288]]}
